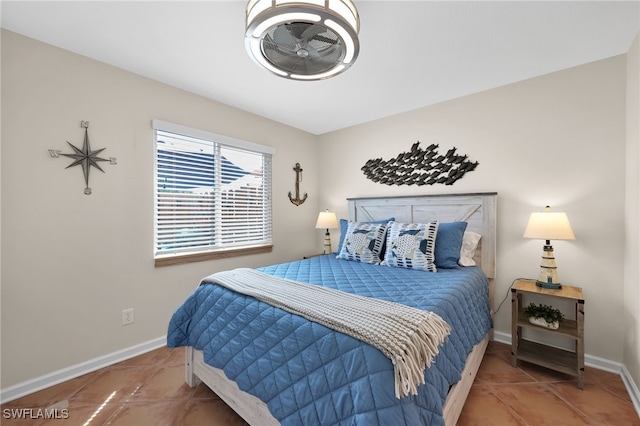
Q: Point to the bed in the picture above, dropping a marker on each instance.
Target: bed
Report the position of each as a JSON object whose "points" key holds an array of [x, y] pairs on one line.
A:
{"points": [[315, 375]]}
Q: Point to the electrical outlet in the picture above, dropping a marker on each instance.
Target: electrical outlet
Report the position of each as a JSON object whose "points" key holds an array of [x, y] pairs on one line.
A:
{"points": [[127, 316]]}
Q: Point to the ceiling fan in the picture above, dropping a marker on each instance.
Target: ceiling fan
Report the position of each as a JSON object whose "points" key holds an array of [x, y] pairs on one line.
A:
{"points": [[302, 40]]}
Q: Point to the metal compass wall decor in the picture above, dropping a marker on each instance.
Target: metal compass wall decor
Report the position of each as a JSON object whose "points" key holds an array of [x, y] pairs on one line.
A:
{"points": [[84, 157], [419, 167]]}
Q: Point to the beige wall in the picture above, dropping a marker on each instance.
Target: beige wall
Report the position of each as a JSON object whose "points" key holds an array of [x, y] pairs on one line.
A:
{"points": [[72, 262], [558, 139], [632, 247]]}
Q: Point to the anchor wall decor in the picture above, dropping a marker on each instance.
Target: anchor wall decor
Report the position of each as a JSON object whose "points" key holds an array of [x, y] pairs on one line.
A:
{"points": [[419, 167], [297, 200], [84, 157]]}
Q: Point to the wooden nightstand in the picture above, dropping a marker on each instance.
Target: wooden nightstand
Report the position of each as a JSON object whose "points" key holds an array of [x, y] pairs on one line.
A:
{"points": [[565, 361]]}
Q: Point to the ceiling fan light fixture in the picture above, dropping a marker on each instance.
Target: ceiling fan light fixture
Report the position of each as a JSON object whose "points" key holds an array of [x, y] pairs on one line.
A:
{"points": [[285, 17], [302, 39], [328, 74], [261, 60], [349, 46]]}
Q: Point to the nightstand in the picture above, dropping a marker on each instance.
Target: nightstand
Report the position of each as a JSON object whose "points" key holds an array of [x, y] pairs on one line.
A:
{"points": [[569, 362]]}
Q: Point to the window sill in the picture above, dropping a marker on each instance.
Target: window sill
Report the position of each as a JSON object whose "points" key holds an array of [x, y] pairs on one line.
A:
{"points": [[179, 259]]}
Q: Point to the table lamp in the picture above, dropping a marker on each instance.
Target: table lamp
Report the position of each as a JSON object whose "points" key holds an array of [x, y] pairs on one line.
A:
{"points": [[549, 226], [327, 220]]}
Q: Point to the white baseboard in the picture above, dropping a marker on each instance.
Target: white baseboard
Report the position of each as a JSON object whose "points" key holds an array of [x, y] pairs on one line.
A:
{"points": [[634, 392], [59, 376], [600, 364]]}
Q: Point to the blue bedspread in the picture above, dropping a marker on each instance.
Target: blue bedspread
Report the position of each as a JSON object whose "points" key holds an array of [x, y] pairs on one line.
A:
{"points": [[308, 374]]}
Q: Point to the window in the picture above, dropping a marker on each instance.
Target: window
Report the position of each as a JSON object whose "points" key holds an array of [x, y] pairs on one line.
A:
{"points": [[212, 195]]}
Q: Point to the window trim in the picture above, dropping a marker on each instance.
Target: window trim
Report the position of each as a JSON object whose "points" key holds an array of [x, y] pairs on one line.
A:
{"points": [[203, 134], [207, 254], [182, 258]]}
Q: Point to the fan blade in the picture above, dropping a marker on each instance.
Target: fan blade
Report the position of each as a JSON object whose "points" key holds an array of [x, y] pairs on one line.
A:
{"points": [[282, 37], [311, 33], [324, 39], [316, 62], [302, 48], [313, 53]]}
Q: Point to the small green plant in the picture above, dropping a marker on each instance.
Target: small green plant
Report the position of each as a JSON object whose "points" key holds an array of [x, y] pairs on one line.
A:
{"points": [[547, 312]]}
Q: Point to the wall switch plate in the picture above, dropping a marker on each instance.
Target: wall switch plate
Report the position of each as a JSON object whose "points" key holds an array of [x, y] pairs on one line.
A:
{"points": [[127, 316]]}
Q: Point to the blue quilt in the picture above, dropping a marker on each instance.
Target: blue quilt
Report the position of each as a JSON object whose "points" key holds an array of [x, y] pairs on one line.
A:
{"points": [[311, 375]]}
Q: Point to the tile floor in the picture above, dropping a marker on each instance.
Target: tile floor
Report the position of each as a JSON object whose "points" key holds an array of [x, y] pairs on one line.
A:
{"points": [[531, 395], [150, 390]]}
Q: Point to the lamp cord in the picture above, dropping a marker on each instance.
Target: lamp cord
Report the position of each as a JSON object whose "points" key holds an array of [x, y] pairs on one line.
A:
{"points": [[507, 295]]}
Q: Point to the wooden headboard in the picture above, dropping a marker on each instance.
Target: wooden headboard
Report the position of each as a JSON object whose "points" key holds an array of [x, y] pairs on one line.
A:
{"points": [[478, 210]]}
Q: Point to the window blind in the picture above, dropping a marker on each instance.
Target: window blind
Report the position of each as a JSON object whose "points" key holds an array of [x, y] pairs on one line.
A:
{"points": [[209, 195]]}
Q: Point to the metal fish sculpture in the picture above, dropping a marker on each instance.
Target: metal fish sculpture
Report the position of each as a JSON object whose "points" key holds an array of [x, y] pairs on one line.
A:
{"points": [[419, 167]]}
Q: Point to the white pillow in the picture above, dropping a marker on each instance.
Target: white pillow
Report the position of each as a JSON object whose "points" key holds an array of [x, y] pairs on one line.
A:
{"points": [[468, 250]]}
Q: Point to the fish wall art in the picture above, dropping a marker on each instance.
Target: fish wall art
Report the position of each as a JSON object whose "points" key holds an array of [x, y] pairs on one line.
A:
{"points": [[419, 167]]}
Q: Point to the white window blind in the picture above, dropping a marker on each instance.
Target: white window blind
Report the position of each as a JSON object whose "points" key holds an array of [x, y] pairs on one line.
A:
{"points": [[211, 192]]}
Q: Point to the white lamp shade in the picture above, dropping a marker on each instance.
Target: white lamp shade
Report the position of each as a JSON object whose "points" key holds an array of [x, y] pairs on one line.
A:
{"points": [[327, 220], [549, 225]]}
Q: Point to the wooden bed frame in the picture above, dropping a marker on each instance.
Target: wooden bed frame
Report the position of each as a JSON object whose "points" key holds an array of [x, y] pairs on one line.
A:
{"points": [[478, 210]]}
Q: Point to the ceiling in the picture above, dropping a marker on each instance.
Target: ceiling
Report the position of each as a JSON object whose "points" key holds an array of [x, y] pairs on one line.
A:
{"points": [[413, 53]]}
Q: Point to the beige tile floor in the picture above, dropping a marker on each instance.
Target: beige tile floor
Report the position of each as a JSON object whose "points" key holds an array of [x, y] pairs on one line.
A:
{"points": [[150, 390]]}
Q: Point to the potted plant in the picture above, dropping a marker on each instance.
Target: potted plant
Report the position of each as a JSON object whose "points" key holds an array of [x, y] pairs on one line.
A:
{"points": [[543, 315]]}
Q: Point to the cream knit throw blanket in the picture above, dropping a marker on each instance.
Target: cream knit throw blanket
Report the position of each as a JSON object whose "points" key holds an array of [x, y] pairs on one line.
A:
{"points": [[409, 337]]}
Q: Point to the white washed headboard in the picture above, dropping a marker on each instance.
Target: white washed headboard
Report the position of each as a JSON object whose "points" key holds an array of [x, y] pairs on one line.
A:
{"points": [[478, 210]]}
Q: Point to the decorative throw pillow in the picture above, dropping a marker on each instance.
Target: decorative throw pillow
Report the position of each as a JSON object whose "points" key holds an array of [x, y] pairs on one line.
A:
{"points": [[449, 243], [468, 250], [411, 245], [344, 224], [363, 242]]}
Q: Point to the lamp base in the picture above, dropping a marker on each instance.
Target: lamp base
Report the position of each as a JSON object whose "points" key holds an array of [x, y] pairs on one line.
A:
{"points": [[554, 286], [327, 243], [548, 275]]}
